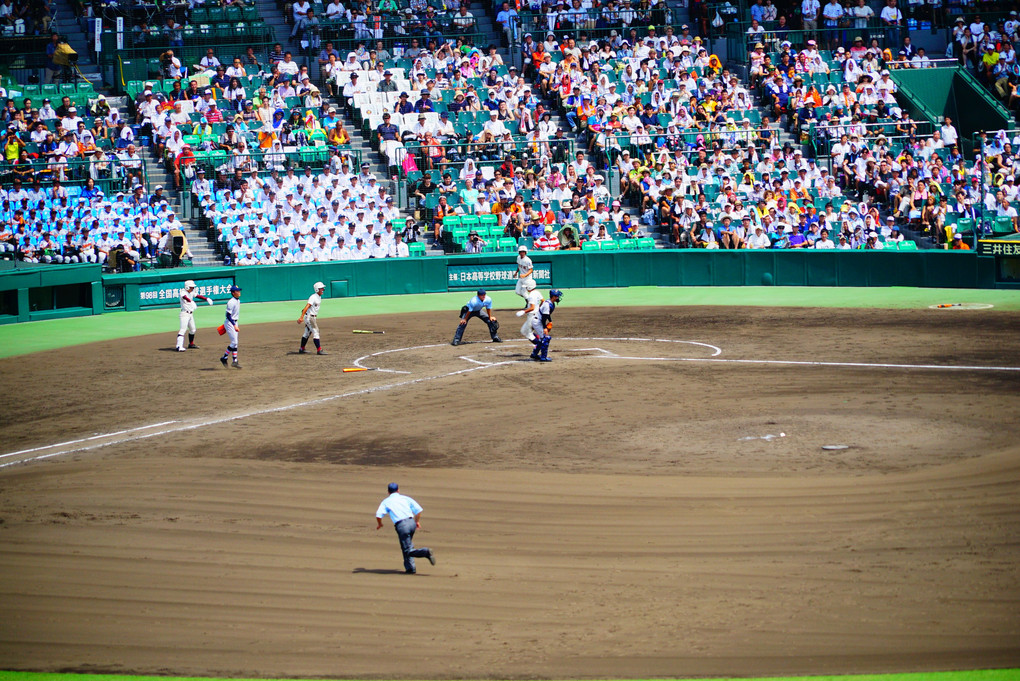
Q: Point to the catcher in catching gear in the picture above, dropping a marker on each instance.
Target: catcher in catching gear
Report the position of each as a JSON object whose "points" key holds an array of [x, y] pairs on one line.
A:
{"points": [[479, 306], [542, 326]]}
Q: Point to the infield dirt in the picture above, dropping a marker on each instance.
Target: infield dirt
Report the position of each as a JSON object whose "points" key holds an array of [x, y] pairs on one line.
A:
{"points": [[597, 517]]}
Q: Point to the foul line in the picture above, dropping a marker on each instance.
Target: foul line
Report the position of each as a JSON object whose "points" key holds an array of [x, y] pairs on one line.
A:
{"points": [[236, 417], [186, 426], [863, 365], [86, 439]]}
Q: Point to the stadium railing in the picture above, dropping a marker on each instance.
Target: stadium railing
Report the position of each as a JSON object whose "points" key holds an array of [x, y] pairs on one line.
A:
{"points": [[740, 42]]}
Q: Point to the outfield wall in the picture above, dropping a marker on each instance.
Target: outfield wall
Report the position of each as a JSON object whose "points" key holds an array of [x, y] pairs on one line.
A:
{"points": [[31, 293]]}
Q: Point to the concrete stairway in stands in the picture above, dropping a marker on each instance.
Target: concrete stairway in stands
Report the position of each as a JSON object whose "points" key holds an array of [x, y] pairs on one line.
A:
{"points": [[273, 15], [65, 23], [496, 36]]}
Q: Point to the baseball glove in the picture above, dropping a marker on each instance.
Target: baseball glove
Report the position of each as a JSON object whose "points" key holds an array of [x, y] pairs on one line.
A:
{"points": [[463, 310], [493, 325]]}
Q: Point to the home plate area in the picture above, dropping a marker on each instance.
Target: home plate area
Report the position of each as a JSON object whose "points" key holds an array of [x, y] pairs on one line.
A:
{"points": [[481, 354]]}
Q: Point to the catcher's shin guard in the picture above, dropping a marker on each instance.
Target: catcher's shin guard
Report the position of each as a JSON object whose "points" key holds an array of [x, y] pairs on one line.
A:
{"points": [[543, 345], [458, 334]]}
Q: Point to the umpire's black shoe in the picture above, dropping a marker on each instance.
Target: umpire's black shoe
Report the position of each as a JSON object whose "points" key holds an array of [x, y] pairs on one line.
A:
{"points": [[497, 339], [431, 557], [455, 343], [409, 572], [223, 360]]}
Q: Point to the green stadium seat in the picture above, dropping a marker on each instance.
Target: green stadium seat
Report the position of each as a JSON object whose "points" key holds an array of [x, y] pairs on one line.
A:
{"points": [[507, 244], [907, 245], [590, 246], [416, 249], [451, 221], [628, 244], [609, 245], [1003, 226]]}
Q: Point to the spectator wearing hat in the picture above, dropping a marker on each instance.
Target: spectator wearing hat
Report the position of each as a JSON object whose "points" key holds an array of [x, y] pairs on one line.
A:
{"points": [[548, 241], [424, 103]]}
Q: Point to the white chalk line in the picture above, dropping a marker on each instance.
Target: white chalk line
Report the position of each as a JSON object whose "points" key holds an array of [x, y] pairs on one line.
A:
{"points": [[474, 361], [716, 351], [210, 422], [86, 439], [864, 365], [183, 427], [260, 412]]}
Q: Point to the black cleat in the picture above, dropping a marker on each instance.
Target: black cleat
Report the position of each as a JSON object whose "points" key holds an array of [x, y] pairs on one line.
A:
{"points": [[409, 572], [497, 339], [455, 343], [535, 357], [192, 346], [302, 351], [223, 360], [321, 352]]}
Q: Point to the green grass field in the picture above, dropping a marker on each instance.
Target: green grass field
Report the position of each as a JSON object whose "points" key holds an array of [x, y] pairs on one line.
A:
{"points": [[20, 339]]}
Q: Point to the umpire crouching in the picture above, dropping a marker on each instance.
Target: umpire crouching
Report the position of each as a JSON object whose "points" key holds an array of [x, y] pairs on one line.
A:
{"points": [[480, 306], [405, 513]]}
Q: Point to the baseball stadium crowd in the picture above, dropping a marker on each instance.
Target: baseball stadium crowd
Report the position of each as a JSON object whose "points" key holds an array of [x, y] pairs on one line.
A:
{"points": [[311, 217], [81, 224], [812, 150]]}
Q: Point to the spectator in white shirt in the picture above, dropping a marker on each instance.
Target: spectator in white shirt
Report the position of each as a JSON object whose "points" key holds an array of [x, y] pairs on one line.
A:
{"points": [[207, 63], [824, 242], [949, 134], [920, 60], [892, 19], [809, 13]]}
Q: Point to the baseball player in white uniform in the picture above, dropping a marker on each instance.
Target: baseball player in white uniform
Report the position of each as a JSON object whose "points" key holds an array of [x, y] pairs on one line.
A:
{"points": [[187, 316], [534, 299], [525, 268], [310, 318], [233, 314]]}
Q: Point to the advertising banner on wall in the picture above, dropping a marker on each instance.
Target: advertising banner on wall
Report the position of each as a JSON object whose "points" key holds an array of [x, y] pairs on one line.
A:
{"points": [[169, 292], [497, 275]]}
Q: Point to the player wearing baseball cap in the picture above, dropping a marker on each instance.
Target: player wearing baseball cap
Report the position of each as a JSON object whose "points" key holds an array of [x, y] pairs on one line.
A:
{"points": [[525, 268], [187, 315], [230, 325], [309, 317], [542, 326]]}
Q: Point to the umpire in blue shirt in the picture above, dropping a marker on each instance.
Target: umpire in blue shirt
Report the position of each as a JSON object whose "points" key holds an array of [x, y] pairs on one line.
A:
{"points": [[479, 306], [405, 514]]}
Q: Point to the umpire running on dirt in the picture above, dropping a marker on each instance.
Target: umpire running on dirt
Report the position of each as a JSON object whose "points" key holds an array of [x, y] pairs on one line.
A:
{"points": [[480, 306], [406, 516]]}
